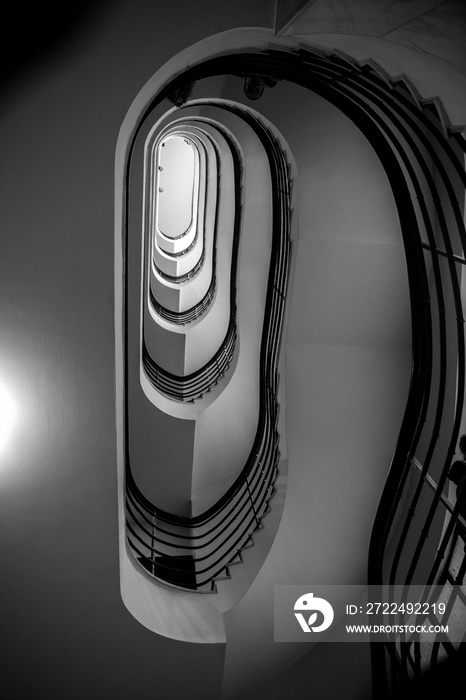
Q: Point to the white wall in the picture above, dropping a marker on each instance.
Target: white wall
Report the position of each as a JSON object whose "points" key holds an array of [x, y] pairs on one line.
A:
{"points": [[347, 374]]}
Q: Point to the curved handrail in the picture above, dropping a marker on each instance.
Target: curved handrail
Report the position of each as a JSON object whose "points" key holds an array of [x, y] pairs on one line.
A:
{"points": [[182, 318], [180, 279], [196, 384], [197, 310], [193, 386], [164, 542], [351, 87]]}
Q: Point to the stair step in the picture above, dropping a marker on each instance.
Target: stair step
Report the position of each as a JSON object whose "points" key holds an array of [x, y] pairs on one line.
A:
{"points": [[225, 577], [237, 559]]}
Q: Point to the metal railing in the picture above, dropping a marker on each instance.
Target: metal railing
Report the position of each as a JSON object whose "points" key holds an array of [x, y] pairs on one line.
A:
{"points": [[184, 317], [197, 310], [423, 158], [193, 552], [193, 386], [196, 384]]}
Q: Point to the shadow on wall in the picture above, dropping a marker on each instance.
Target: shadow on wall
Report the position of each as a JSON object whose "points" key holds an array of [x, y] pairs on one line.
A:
{"points": [[441, 681], [41, 32]]}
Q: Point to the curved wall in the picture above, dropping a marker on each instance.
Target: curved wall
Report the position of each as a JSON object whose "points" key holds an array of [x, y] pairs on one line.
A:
{"points": [[359, 222], [383, 343]]}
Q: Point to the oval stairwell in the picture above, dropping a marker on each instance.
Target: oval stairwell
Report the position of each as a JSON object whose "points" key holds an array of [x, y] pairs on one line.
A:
{"points": [[298, 508]]}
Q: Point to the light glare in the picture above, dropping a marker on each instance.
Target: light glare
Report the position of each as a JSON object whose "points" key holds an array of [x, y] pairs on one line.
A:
{"points": [[7, 415]]}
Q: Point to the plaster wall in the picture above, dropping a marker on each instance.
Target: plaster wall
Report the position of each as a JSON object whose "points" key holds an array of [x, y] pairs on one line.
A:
{"points": [[63, 618], [347, 372]]}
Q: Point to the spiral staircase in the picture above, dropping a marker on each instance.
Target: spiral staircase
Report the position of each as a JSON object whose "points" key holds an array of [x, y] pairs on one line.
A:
{"points": [[220, 336]]}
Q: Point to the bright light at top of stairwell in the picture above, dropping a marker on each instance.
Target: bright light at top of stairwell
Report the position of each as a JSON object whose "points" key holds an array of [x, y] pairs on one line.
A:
{"points": [[8, 414]]}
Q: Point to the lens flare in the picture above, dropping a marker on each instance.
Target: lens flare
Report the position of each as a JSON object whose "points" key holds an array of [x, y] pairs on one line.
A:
{"points": [[7, 415]]}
